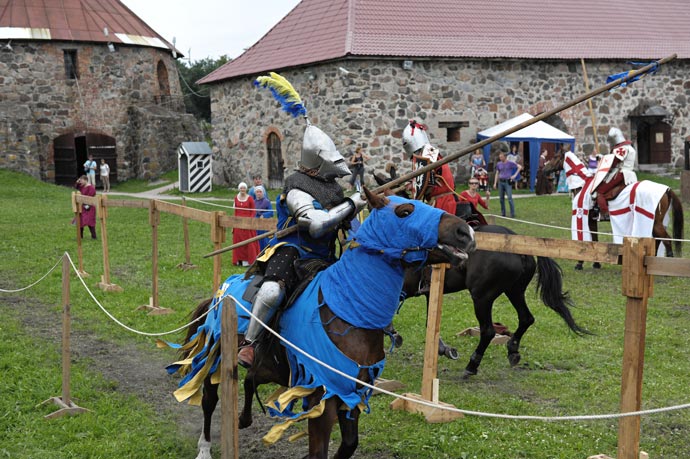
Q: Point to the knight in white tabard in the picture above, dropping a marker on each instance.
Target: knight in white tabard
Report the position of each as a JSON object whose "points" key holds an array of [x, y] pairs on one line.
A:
{"points": [[615, 171]]}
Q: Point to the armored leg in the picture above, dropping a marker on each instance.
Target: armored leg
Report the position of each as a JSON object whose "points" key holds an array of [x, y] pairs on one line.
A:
{"points": [[268, 298]]}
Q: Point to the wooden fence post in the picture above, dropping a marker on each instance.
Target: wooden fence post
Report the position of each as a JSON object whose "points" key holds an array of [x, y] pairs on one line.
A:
{"points": [[102, 212], [229, 448], [187, 264], [154, 221], [65, 403], [218, 238], [76, 208], [637, 287], [429, 390]]}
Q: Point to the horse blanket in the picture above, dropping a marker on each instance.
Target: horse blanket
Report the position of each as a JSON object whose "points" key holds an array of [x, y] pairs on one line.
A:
{"points": [[300, 325], [632, 212]]}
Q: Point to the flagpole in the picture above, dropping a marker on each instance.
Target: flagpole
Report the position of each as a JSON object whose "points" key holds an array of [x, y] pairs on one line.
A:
{"points": [[591, 108], [465, 151]]}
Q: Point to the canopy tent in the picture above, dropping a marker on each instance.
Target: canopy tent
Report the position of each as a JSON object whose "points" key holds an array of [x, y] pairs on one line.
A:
{"points": [[534, 135]]}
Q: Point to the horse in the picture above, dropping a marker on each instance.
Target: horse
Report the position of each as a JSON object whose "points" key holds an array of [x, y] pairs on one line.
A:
{"points": [[487, 275], [632, 211], [348, 304]]}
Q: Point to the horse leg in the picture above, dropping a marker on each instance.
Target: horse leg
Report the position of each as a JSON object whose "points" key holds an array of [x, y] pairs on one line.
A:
{"points": [[320, 428], [209, 400], [525, 320], [482, 311], [246, 413], [349, 433]]}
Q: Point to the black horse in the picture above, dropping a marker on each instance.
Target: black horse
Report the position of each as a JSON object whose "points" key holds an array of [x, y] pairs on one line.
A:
{"points": [[487, 275]]}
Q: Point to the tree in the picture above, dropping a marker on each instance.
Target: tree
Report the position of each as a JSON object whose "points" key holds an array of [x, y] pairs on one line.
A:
{"points": [[196, 97]]}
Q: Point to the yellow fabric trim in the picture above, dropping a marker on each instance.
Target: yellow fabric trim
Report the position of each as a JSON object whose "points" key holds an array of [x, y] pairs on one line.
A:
{"points": [[277, 431], [268, 252], [283, 398], [297, 436], [195, 384]]}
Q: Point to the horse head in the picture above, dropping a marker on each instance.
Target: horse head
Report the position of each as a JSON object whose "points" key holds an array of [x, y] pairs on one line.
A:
{"points": [[420, 233]]}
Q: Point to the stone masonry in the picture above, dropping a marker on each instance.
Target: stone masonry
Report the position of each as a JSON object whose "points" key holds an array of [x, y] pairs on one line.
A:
{"points": [[132, 95], [372, 101]]}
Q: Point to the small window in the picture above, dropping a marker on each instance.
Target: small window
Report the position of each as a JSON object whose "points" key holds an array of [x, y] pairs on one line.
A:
{"points": [[453, 129], [71, 72]]}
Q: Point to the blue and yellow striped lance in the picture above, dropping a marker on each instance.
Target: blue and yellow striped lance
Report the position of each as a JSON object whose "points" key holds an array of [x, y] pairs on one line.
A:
{"points": [[283, 92]]}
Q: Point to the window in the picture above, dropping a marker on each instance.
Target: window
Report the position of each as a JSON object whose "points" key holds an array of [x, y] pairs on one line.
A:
{"points": [[453, 129], [71, 71]]}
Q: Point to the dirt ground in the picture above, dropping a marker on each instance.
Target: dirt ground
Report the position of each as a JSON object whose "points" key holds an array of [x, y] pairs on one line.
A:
{"points": [[140, 371]]}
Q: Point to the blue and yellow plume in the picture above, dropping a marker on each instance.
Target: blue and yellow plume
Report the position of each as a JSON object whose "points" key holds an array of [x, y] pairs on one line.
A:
{"points": [[283, 92]]}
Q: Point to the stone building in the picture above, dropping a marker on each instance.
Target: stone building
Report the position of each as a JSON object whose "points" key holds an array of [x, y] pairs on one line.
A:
{"points": [[365, 67], [87, 77]]}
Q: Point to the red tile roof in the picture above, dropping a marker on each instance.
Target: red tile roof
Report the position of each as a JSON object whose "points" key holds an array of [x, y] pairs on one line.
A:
{"points": [[75, 20], [322, 30]]}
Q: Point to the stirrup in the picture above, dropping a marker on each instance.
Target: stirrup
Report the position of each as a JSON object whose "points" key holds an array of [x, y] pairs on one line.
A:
{"points": [[245, 357]]}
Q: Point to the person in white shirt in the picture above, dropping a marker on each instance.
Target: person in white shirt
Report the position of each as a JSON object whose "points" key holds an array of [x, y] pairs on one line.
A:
{"points": [[105, 176]]}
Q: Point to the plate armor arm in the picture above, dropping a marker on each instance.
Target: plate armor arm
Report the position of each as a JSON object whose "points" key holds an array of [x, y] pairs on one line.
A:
{"points": [[320, 221]]}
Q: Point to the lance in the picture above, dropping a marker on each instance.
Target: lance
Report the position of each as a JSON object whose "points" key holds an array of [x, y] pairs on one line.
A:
{"points": [[465, 151]]}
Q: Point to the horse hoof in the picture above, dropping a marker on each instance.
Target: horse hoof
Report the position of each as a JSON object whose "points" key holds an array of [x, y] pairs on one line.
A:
{"points": [[468, 374], [514, 359], [244, 424], [596, 265], [397, 340], [578, 267], [451, 353]]}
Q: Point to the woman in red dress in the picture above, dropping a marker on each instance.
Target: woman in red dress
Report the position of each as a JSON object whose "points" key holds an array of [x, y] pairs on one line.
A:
{"points": [[244, 207], [88, 213]]}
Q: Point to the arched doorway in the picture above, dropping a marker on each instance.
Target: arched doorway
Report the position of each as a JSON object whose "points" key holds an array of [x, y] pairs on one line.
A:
{"points": [[652, 129], [275, 161], [70, 152], [163, 82]]}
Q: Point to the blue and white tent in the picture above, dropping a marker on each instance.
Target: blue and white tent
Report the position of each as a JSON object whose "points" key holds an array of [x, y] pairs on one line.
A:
{"points": [[534, 135]]}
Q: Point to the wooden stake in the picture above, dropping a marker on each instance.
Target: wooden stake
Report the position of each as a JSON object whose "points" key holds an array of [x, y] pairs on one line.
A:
{"points": [[102, 212], [637, 286], [67, 407], [429, 380], [76, 208], [591, 109], [229, 436], [187, 265], [154, 220], [217, 237]]}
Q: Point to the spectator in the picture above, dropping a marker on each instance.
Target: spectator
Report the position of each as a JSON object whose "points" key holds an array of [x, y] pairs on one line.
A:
{"points": [[544, 185], [506, 173], [264, 209], [258, 181], [88, 213], [472, 196], [90, 171], [477, 162], [514, 156], [244, 207], [105, 176], [357, 167]]}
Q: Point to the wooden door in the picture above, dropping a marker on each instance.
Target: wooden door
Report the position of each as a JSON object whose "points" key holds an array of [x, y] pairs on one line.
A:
{"points": [[660, 143], [65, 160]]}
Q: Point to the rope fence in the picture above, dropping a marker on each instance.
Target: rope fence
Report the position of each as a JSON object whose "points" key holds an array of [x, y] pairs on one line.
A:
{"points": [[427, 403]]}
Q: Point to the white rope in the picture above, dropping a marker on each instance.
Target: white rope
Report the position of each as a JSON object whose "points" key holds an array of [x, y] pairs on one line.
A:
{"points": [[35, 283], [120, 323], [527, 222], [227, 207], [452, 408]]}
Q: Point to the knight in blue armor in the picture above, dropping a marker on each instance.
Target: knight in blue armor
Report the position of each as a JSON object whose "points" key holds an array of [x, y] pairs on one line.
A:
{"points": [[314, 201]]}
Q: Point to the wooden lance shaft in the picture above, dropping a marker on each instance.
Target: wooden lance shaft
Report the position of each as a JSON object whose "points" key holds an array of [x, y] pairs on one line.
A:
{"points": [[473, 147]]}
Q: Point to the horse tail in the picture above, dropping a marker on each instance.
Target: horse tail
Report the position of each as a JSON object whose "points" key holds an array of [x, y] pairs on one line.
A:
{"points": [[550, 286], [678, 221], [198, 312]]}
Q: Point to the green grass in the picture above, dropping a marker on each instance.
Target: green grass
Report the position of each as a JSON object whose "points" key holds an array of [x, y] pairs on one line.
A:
{"points": [[560, 374]]}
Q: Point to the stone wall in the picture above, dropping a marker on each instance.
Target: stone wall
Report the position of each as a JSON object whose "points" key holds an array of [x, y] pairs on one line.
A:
{"points": [[368, 103], [39, 103]]}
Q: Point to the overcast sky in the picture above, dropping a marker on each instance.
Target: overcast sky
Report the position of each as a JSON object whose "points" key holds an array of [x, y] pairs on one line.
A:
{"points": [[211, 28]]}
